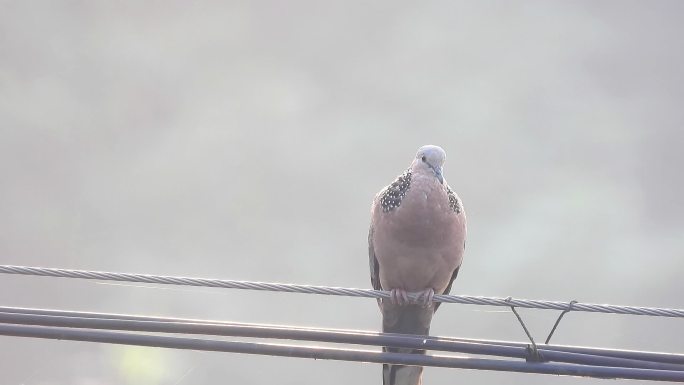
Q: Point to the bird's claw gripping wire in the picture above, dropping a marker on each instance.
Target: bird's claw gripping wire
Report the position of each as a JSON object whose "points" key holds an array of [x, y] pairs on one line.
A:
{"points": [[425, 297], [399, 297]]}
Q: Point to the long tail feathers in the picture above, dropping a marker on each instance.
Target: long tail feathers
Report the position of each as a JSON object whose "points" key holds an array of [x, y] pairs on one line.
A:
{"points": [[408, 319]]}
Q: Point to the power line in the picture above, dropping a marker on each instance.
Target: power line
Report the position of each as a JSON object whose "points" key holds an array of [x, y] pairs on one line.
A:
{"points": [[181, 326], [617, 353], [338, 354], [544, 359], [340, 291]]}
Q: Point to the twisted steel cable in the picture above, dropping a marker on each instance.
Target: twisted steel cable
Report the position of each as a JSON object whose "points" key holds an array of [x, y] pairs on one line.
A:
{"points": [[341, 291]]}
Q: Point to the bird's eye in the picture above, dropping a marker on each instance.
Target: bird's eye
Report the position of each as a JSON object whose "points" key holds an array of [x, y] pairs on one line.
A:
{"points": [[423, 158]]}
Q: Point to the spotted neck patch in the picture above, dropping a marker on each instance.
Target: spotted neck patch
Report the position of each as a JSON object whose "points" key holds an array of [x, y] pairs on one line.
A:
{"points": [[391, 196], [454, 202]]}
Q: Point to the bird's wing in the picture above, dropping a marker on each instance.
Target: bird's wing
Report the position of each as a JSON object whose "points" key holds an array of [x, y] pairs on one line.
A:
{"points": [[373, 262], [448, 288]]}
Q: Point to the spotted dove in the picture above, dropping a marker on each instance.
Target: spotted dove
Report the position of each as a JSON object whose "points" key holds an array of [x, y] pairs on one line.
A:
{"points": [[415, 244]]}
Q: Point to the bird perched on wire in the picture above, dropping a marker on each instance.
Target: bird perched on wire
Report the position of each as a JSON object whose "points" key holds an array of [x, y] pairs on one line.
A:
{"points": [[415, 244]]}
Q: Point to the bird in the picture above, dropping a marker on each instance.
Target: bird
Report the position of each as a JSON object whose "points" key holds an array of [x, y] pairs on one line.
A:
{"points": [[416, 243]]}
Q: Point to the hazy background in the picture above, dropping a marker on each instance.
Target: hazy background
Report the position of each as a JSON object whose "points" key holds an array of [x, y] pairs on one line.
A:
{"points": [[245, 140]]}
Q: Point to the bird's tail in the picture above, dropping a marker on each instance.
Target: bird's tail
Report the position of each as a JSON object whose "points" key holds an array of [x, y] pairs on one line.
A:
{"points": [[407, 319]]}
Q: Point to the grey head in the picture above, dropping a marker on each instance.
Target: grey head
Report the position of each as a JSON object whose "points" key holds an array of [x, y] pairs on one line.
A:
{"points": [[430, 159]]}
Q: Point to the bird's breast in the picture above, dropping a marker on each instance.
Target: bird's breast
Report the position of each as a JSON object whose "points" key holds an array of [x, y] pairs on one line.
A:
{"points": [[423, 217], [420, 243]]}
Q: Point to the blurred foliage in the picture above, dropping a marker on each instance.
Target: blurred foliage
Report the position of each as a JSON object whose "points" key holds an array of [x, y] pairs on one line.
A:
{"points": [[140, 365]]}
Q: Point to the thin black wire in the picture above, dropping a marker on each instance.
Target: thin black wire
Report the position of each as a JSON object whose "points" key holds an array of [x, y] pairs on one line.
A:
{"points": [[558, 320], [337, 354], [535, 355]]}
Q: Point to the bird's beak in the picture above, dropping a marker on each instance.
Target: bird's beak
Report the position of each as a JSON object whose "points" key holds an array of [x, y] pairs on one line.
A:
{"points": [[438, 174]]}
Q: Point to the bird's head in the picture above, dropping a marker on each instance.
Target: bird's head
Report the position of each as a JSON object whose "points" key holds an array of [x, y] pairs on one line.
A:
{"points": [[429, 160]]}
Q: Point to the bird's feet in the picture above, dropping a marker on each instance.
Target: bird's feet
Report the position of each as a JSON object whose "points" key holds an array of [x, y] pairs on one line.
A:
{"points": [[425, 297], [400, 297]]}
